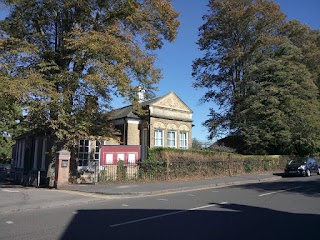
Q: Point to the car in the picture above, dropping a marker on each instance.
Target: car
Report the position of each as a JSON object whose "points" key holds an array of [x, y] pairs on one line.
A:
{"points": [[302, 167]]}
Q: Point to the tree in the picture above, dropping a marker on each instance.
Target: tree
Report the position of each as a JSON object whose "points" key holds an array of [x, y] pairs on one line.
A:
{"points": [[10, 116], [308, 41], [261, 76], [197, 144], [281, 111], [235, 35], [64, 55]]}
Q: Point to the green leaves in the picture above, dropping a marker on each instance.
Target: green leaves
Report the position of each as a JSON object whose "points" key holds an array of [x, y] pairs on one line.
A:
{"points": [[60, 52], [263, 74]]}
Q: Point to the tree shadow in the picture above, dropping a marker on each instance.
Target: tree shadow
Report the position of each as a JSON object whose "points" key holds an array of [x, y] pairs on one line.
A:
{"points": [[308, 187], [226, 221]]}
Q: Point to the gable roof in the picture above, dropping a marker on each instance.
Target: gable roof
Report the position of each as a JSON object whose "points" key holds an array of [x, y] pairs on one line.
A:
{"points": [[124, 112], [128, 112], [157, 100]]}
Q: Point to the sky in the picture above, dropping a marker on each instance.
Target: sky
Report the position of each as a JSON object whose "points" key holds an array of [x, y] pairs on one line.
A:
{"points": [[175, 59]]}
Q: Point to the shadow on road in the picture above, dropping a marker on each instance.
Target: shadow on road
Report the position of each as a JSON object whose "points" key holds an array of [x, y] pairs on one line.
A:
{"points": [[227, 221], [301, 185]]}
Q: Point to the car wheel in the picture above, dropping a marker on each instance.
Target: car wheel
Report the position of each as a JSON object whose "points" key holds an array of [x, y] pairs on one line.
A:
{"points": [[308, 173]]}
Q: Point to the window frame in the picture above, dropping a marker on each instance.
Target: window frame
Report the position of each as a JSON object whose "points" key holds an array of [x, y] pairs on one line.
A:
{"points": [[156, 139], [83, 150], [174, 139], [184, 140]]}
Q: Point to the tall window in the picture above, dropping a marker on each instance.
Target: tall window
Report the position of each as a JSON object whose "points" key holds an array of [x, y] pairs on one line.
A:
{"points": [[158, 138], [172, 139], [183, 140], [83, 152], [96, 151]]}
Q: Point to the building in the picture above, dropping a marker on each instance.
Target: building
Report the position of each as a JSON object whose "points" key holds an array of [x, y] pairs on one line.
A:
{"points": [[163, 122]]}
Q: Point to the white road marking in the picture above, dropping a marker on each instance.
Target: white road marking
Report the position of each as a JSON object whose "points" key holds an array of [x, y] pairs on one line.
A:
{"points": [[9, 222], [192, 195], [11, 191], [160, 216], [283, 190], [125, 205], [162, 199], [126, 186]]}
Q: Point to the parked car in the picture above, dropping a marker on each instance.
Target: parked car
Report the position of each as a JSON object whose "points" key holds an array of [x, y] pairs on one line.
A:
{"points": [[302, 167]]}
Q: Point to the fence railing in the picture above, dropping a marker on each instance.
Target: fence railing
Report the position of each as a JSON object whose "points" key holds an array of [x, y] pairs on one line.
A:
{"points": [[164, 170]]}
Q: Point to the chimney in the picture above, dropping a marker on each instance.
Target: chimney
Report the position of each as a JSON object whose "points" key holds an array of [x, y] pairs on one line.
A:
{"points": [[141, 94]]}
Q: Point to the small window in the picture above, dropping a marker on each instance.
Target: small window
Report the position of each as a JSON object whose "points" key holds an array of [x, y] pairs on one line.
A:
{"points": [[109, 158], [120, 157], [131, 158]]}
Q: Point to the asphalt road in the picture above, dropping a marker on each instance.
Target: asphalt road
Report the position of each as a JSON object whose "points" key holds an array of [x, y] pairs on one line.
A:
{"points": [[285, 209]]}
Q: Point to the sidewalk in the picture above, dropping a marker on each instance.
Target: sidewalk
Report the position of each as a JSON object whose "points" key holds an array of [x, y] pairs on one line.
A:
{"points": [[162, 187]]}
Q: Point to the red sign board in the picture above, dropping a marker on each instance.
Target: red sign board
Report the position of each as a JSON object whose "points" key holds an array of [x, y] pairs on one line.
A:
{"points": [[111, 154]]}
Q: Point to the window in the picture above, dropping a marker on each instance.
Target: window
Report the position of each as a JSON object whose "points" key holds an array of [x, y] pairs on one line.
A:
{"points": [[83, 152], [172, 139], [131, 158], [183, 140], [96, 151], [109, 158], [158, 138]]}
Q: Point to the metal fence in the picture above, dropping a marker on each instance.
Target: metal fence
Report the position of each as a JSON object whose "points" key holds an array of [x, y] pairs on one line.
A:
{"points": [[164, 170]]}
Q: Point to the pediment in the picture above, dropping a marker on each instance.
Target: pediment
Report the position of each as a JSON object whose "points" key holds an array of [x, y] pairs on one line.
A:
{"points": [[172, 101]]}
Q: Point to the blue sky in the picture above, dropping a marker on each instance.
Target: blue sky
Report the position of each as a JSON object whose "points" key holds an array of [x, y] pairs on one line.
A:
{"points": [[175, 59]]}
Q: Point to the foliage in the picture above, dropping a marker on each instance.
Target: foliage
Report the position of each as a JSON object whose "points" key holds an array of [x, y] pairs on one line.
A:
{"points": [[280, 112], [170, 164], [152, 169], [263, 73], [196, 144], [10, 117], [162, 164], [221, 148], [5, 148], [70, 58], [235, 35]]}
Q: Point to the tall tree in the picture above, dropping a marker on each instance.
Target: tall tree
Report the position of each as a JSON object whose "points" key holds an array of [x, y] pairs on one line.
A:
{"points": [[236, 34], [263, 74], [282, 107], [308, 40], [64, 54]]}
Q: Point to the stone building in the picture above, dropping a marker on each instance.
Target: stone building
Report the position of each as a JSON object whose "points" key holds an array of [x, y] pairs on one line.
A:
{"points": [[164, 122]]}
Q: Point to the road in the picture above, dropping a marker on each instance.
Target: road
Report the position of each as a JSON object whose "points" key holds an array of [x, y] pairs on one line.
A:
{"points": [[285, 209]]}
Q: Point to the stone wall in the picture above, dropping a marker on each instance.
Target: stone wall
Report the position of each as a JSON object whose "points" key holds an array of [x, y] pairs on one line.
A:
{"points": [[133, 133]]}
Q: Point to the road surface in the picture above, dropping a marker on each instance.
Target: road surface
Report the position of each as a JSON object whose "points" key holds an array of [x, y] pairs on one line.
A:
{"points": [[285, 209]]}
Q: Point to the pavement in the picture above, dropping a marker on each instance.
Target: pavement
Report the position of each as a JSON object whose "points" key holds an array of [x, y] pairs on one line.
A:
{"points": [[168, 186]]}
